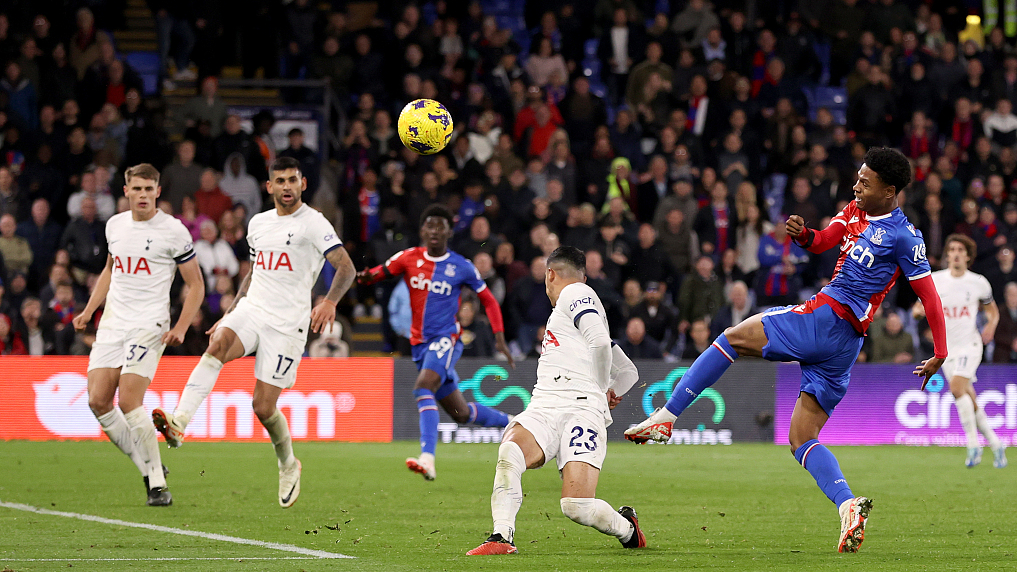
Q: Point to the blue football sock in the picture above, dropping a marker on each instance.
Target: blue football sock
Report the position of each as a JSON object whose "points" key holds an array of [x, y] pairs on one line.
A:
{"points": [[428, 409], [487, 416], [823, 466], [706, 370]]}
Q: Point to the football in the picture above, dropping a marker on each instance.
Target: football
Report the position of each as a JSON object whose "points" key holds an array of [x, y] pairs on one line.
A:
{"points": [[425, 126]]}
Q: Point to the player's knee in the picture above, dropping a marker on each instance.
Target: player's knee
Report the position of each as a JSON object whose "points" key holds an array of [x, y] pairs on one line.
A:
{"points": [[580, 510], [459, 416], [263, 409], [100, 405], [509, 457]]}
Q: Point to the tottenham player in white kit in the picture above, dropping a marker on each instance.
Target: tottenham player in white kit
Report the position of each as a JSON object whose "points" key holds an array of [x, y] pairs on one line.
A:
{"points": [[146, 246], [581, 375], [964, 293], [271, 315]]}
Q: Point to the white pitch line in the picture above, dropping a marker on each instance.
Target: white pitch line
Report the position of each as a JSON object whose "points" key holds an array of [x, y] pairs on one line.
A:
{"points": [[180, 531], [238, 558]]}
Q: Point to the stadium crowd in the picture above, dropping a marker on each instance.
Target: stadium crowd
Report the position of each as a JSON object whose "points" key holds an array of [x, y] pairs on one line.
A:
{"points": [[668, 140]]}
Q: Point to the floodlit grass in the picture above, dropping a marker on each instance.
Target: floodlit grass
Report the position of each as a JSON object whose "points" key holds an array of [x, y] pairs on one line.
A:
{"points": [[743, 507]]}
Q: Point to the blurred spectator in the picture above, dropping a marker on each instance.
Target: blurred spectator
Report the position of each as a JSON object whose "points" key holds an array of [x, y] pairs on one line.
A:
{"points": [[206, 106], [37, 332], [209, 198], [739, 306], [182, 177], [528, 306], [697, 340], [238, 186], [596, 279], [174, 26], [235, 140], [649, 262], [715, 224], [85, 240], [16, 251], [1001, 125], [84, 48], [10, 195], [479, 238], [1005, 339], [619, 48], [637, 344], [484, 263], [190, 216], [105, 206], [215, 256], [888, 342], [309, 164], [43, 235], [400, 316], [330, 343], [694, 23], [781, 262], [22, 98], [545, 63], [677, 240], [701, 294], [10, 340], [477, 338], [659, 318]]}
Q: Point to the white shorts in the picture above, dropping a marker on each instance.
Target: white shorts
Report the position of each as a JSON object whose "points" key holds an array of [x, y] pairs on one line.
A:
{"points": [[963, 363], [277, 354], [130, 351], [572, 434]]}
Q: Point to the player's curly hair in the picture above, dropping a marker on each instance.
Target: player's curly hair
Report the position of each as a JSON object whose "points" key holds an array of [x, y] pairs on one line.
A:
{"points": [[438, 211], [891, 165], [967, 241]]}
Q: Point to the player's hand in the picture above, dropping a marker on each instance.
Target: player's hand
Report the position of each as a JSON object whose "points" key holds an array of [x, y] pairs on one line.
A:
{"points": [[174, 337], [928, 368], [613, 399], [500, 345], [214, 327], [363, 278], [918, 311], [322, 315], [988, 335], [81, 320], [795, 226]]}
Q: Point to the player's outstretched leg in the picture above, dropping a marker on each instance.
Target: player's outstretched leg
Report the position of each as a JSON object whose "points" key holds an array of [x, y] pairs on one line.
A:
{"points": [[199, 385], [486, 416], [597, 514], [427, 408], [505, 501], [966, 412], [705, 371], [995, 445], [266, 397]]}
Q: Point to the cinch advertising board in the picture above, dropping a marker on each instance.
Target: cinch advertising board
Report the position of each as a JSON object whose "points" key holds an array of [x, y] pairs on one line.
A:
{"points": [[46, 398], [884, 405]]}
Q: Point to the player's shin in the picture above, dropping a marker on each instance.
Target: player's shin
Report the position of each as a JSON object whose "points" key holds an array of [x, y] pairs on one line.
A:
{"points": [[427, 407], [823, 466], [199, 385], [982, 421], [598, 514], [279, 431], [487, 416], [508, 489], [143, 433], [966, 412], [706, 370], [114, 425]]}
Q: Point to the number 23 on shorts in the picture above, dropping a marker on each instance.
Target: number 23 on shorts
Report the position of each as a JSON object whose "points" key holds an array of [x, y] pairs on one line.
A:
{"points": [[577, 434]]}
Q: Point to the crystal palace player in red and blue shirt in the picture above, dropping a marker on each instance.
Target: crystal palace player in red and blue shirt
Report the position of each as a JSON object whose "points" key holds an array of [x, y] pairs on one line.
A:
{"points": [[435, 275], [877, 245]]}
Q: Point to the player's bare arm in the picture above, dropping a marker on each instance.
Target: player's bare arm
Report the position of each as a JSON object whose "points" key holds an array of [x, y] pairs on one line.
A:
{"points": [[992, 320], [191, 273], [323, 315], [97, 298], [241, 292]]}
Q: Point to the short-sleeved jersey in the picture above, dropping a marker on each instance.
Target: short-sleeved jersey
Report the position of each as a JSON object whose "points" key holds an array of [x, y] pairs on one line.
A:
{"points": [[145, 254], [962, 296], [435, 284], [565, 369], [873, 253], [287, 253]]}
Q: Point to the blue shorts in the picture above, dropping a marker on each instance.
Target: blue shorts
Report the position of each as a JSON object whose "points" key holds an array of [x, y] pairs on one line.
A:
{"points": [[823, 343], [440, 355]]}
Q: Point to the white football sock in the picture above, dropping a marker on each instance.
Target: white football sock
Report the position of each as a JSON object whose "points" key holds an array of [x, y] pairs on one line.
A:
{"points": [[966, 412], [982, 421], [662, 415], [199, 385], [279, 431], [508, 489], [140, 423], [114, 425], [598, 514]]}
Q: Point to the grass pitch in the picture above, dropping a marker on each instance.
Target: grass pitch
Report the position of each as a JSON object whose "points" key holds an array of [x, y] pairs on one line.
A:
{"points": [[743, 507]]}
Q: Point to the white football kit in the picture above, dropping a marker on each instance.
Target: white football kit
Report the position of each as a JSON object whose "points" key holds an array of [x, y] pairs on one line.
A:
{"points": [[287, 254], [568, 414], [962, 297], [137, 313]]}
